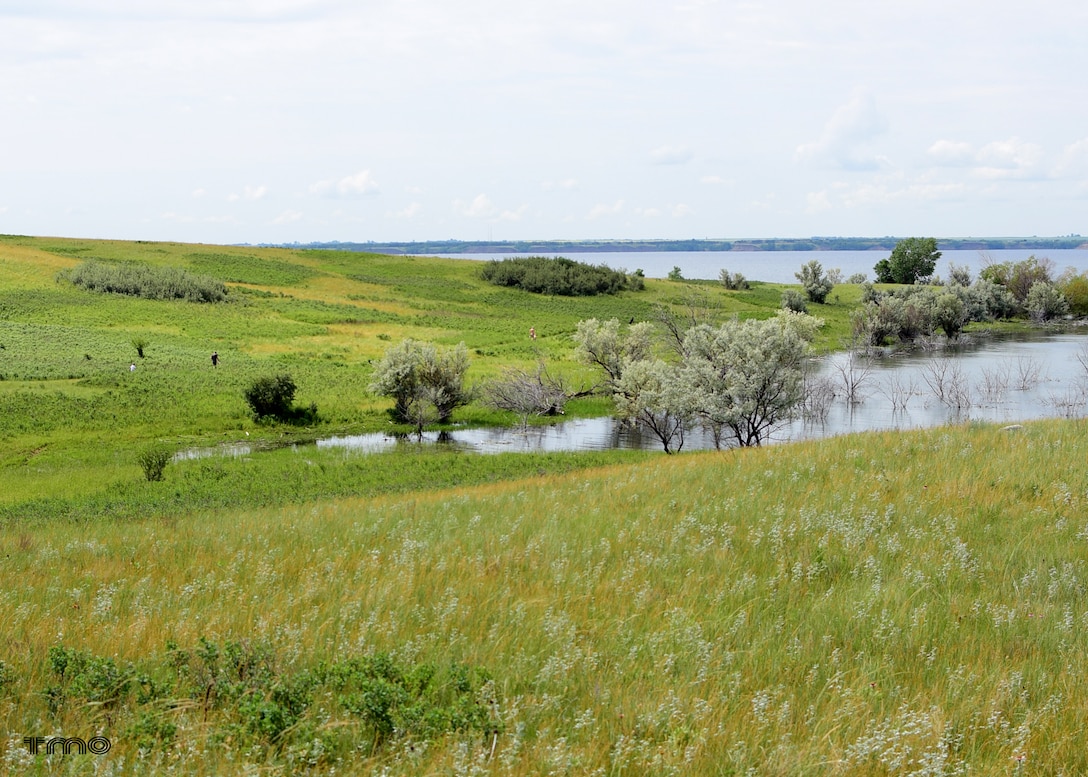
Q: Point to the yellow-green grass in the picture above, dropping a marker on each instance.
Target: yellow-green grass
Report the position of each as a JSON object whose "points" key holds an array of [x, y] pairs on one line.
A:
{"points": [[896, 603]]}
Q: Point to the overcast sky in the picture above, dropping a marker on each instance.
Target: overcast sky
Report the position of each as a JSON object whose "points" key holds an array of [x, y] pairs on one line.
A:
{"points": [[224, 121]]}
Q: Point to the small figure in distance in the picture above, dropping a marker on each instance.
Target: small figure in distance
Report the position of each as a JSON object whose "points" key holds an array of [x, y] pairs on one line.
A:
{"points": [[132, 367], [215, 358], [532, 333]]}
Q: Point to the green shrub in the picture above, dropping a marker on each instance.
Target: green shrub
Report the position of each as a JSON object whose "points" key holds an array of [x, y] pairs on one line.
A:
{"points": [[794, 300], [1075, 289], [1045, 301], [1019, 277], [141, 280], [272, 397], [733, 281], [153, 460], [558, 276]]}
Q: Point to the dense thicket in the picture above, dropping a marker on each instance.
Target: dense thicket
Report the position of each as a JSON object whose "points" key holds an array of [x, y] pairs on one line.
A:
{"points": [[141, 280], [560, 276]]}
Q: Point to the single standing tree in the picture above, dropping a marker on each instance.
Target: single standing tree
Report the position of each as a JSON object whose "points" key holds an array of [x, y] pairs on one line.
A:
{"points": [[745, 378], [814, 281], [424, 384], [912, 259]]}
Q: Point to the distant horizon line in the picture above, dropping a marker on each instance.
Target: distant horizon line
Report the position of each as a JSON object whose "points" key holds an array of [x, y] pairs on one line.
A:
{"points": [[817, 243]]}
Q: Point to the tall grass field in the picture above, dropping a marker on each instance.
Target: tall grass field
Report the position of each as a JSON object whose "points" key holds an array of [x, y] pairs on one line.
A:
{"points": [[907, 603]]}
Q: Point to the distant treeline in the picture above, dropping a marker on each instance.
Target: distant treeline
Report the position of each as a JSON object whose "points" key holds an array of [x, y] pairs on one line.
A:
{"points": [[756, 244]]}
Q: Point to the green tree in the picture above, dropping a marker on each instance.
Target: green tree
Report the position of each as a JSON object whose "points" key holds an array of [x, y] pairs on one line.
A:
{"points": [[425, 385], [912, 259], [814, 281], [604, 345], [744, 379]]}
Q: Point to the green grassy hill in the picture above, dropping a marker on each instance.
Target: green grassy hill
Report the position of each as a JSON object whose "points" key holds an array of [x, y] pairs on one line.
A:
{"points": [[73, 415], [899, 603]]}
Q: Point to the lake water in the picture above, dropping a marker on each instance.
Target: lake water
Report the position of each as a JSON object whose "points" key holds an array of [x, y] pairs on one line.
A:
{"points": [[780, 266], [996, 379]]}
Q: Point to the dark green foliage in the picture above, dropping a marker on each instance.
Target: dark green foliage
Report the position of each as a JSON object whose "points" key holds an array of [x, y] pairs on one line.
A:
{"points": [[675, 274], [272, 396], [557, 276], [86, 678], [912, 259], [140, 280], [241, 689]]}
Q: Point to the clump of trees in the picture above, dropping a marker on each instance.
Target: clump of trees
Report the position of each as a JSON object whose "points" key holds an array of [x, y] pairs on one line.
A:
{"points": [[1002, 290], [426, 386], [145, 281], [559, 276], [913, 259], [739, 381], [733, 281]]}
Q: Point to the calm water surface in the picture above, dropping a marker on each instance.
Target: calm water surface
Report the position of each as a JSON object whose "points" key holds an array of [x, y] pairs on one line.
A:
{"points": [[995, 379]]}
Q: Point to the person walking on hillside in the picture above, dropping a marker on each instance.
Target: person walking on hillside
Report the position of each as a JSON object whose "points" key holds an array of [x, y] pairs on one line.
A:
{"points": [[215, 358], [532, 333]]}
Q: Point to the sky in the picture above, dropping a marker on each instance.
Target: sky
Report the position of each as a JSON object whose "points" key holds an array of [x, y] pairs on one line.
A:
{"points": [[270, 121]]}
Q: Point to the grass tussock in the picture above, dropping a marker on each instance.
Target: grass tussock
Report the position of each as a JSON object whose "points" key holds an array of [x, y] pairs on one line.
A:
{"points": [[908, 603]]}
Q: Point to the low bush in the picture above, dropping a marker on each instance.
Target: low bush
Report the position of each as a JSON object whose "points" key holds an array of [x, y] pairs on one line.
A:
{"points": [[141, 280], [153, 460], [558, 276], [273, 396]]}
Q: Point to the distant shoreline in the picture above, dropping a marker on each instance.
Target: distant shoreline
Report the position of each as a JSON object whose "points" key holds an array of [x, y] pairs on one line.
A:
{"points": [[634, 246]]}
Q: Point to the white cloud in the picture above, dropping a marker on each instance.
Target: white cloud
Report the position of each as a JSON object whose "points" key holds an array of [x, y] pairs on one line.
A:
{"points": [[671, 155], [288, 217], [411, 211], [361, 184], [952, 153], [817, 202], [601, 210], [198, 193], [1011, 158], [713, 180], [844, 139], [481, 207], [1074, 158], [567, 184], [249, 193], [514, 215], [680, 210]]}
